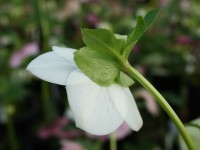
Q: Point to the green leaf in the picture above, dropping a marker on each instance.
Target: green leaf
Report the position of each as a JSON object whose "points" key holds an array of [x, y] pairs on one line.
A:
{"points": [[97, 66], [150, 16], [193, 129], [103, 41], [138, 31], [134, 36], [124, 80]]}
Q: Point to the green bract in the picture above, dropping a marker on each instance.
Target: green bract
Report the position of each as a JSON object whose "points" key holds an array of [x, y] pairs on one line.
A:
{"points": [[141, 26], [105, 55], [103, 41], [124, 80], [134, 36], [150, 17], [97, 66]]}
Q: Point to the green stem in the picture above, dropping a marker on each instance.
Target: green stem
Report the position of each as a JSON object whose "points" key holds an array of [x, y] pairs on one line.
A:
{"points": [[113, 141], [42, 19], [161, 100], [45, 101], [11, 131], [41, 14]]}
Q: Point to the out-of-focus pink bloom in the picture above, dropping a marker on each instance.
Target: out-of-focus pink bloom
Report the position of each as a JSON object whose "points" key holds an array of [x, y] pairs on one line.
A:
{"points": [[70, 145], [70, 8], [136, 49], [185, 5], [164, 3], [141, 69], [56, 130], [150, 103], [18, 56], [16, 59], [92, 19], [30, 49], [120, 133], [101, 138], [123, 131], [184, 40]]}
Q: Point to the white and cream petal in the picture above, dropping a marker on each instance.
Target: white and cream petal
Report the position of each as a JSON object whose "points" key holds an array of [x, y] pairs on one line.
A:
{"points": [[91, 105], [125, 104], [66, 53], [52, 68]]}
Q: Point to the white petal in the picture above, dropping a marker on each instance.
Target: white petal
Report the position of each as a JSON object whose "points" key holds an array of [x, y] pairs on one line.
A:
{"points": [[66, 53], [51, 68], [91, 105], [125, 104]]}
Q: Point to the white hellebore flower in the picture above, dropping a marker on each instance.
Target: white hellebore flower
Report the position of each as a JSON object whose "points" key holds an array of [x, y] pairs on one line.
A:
{"points": [[97, 110]]}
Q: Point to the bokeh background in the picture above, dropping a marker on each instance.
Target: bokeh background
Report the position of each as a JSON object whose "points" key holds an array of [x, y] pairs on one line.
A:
{"points": [[35, 114]]}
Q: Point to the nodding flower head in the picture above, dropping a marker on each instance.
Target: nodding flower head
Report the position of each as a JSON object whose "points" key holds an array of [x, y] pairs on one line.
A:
{"points": [[97, 109]]}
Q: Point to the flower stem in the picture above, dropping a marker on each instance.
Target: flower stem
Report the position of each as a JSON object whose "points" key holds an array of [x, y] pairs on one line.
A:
{"points": [[161, 100], [43, 23], [113, 141], [11, 130]]}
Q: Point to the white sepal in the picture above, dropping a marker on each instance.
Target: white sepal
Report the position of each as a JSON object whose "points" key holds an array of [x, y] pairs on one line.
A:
{"points": [[125, 104], [66, 53], [52, 68], [91, 105]]}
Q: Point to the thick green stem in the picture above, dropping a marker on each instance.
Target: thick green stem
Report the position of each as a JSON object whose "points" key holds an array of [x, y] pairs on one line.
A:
{"points": [[161, 100], [113, 141]]}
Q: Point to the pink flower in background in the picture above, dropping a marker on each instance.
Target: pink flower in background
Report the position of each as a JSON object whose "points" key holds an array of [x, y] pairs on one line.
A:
{"points": [[150, 103], [18, 56], [101, 137], [92, 19], [185, 5], [164, 3], [123, 131], [184, 40], [69, 8], [70, 145], [56, 130], [141, 69], [137, 48]]}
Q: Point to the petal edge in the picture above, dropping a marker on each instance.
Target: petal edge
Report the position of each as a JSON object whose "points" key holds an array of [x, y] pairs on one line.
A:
{"points": [[125, 104], [64, 52], [51, 68]]}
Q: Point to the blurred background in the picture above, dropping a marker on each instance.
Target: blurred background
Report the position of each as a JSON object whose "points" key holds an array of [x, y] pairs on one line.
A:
{"points": [[35, 114]]}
